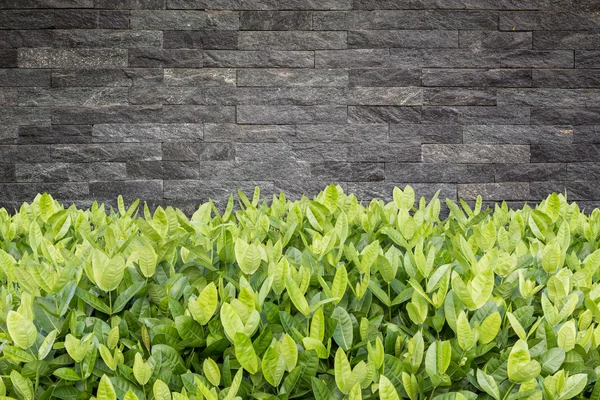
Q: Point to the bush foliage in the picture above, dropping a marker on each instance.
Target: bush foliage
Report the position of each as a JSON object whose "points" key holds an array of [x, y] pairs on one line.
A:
{"points": [[322, 298]]}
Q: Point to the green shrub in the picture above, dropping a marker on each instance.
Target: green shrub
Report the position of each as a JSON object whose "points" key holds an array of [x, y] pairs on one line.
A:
{"points": [[323, 298]]}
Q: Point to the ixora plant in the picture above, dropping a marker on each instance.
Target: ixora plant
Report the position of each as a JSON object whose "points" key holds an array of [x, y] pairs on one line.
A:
{"points": [[322, 298]]}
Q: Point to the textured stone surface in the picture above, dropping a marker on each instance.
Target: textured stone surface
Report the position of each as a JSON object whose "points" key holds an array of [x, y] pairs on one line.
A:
{"points": [[517, 134], [292, 40], [200, 39], [475, 153], [494, 191], [259, 59], [477, 77], [178, 101]]}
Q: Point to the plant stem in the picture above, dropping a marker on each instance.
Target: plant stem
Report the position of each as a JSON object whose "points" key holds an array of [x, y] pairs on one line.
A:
{"points": [[509, 390]]}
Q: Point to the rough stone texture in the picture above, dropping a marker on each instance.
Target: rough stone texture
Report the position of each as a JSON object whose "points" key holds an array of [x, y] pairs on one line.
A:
{"points": [[178, 101]]}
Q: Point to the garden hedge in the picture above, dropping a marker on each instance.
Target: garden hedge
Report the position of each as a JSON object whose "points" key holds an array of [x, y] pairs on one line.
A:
{"points": [[324, 298]]}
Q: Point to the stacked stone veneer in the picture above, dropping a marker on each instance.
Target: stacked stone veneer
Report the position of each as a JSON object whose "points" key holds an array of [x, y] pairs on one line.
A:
{"points": [[176, 101]]}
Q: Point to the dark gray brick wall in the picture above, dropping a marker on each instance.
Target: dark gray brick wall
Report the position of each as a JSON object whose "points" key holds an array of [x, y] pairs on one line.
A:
{"points": [[176, 101]]}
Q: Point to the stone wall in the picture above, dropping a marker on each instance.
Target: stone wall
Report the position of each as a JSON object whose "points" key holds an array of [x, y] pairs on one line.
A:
{"points": [[176, 101]]}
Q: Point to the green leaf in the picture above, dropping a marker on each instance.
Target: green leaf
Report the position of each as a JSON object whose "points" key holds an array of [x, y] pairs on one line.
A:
{"points": [[106, 390], [211, 371], [488, 384], [21, 330], [245, 354], [344, 331], [387, 391], [67, 374]]}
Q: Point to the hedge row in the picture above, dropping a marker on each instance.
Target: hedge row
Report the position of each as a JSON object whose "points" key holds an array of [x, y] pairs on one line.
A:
{"points": [[323, 298]]}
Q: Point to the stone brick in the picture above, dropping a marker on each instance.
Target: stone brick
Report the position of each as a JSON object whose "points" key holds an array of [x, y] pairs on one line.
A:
{"points": [[580, 171], [8, 58], [66, 97], [24, 116], [384, 152], [476, 115], [347, 172], [70, 172], [586, 134], [25, 38], [131, 4], [459, 96], [386, 96], [292, 96], [587, 59], [311, 152], [261, 4], [101, 38], [81, 153], [200, 77], [566, 40], [167, 58], [110, 19], [46, 4], [384, 114], [258, 59], [54, 134], [105, 115], [454, 4], [438, 173], [105, 77], [384, 77], [91, 19], [64, 191], [7, 173], [26, 19], [354, 58], [565, 116], [130, 190], [407, 38], [24, 77], [181, 151], [198, 114], [253, 170], [292, 40], [475, 153], [248, 133], [147, 132], [481, 58], [477, 77], [200, 39], [584, 152], [424, 133], [529, 172], [72, 58], [566, 78], [354, 133], [494, 191], [496, 40], [184, 20], [8, 134], [575, 190], [549, 97], [209, 96], [291, 114], [517, 134], [105, 152], [292, 77], [162, 170], [275, 21], [539, 21]]}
